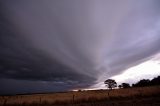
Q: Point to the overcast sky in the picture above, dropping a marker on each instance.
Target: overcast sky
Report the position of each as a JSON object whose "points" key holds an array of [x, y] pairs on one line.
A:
{"points": [[59, 45]]}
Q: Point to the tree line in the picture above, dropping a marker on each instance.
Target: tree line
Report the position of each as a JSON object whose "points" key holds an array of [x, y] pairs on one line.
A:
{"points": [[111, 83]]}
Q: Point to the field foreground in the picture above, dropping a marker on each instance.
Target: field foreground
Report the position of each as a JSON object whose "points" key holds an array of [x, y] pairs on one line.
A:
{"points": [[144, 96]]}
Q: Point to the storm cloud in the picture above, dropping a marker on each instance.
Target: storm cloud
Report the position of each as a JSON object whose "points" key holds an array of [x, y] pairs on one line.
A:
{"points": [[72, 44]]}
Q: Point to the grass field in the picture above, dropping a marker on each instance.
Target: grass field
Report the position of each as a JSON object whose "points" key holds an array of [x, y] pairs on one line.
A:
{"points": [[143, 96]]}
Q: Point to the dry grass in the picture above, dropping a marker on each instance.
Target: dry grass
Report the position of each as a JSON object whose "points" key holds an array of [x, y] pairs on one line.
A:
{"points": [[117, 97]]}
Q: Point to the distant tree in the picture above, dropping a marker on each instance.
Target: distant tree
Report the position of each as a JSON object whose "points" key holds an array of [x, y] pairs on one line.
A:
{"points": [[155, 81], [110, 83], [79, 90], [119, 86], [133, 85], [142, 83], [125, 85], [147, 82]]}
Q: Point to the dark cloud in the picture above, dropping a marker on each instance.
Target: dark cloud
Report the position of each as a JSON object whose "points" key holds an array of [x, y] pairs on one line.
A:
{"points": [[29, 66], [13, 86], [74, 43]]}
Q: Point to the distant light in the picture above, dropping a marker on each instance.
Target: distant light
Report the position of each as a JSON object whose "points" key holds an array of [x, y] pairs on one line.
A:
{"points": [[146, 70]]}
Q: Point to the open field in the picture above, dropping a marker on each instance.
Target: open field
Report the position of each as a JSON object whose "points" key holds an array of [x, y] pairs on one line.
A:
{"points": [[144, 96]]}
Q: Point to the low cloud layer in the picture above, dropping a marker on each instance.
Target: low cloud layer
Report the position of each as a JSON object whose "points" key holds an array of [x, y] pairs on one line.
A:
{"points": [[74, 44]]}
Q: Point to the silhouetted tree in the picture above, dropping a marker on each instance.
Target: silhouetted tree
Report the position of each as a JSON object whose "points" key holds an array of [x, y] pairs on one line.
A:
{"points": [[155, 81], [119, 86], [142, 83], [133, 85], [125, 85], [147, 82], [110, 83]]}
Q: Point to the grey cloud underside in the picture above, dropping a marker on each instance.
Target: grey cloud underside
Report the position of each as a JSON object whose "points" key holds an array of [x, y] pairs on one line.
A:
{"points": [[30, 64], [78, 43], [19, 60]]}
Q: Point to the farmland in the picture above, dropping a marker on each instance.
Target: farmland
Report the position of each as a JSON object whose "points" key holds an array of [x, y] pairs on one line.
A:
{"points": [[140, 96]]}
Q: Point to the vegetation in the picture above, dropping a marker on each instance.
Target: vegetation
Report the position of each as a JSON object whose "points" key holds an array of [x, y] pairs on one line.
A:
{"points": [[142, 83], [147, 82], [125, 85], [110, 83]]}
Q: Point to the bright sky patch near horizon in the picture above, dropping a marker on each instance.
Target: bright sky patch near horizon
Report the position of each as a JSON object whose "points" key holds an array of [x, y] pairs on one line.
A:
{"points": [[146, 70]]}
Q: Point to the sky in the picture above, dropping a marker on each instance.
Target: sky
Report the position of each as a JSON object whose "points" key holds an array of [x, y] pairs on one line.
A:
{"points": [[61, 45]]}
